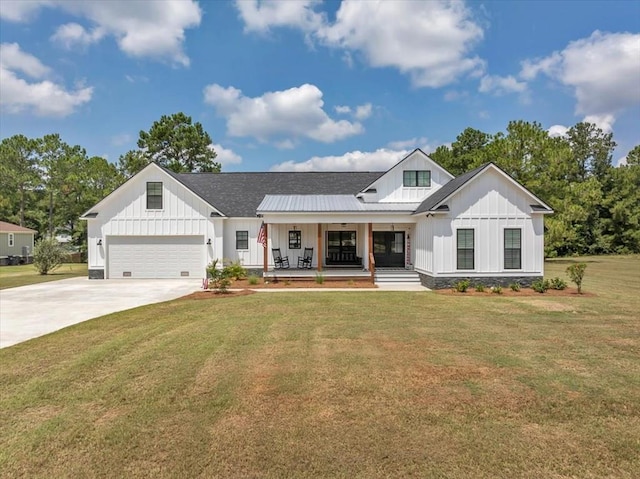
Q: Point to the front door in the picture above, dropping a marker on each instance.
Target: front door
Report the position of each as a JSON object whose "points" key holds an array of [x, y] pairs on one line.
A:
{"points": [[388, 248]]}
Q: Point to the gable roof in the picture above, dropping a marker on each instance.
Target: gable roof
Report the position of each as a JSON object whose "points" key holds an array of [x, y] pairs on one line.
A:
{"points": [[416, 150], [433, 202], [240, 194], [6, 227]]}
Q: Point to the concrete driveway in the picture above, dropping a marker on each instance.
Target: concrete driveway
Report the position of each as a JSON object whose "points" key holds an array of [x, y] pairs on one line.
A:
{"points": [[31, 311]]}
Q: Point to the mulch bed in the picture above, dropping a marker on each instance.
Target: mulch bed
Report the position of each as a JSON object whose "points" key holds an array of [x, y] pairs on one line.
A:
{"points": [[570, 292], [310, 283]]}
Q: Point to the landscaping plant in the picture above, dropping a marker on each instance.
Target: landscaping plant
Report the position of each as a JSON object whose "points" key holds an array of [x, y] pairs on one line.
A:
{"points": [[480, 288], [576, 273], [497, 289], [515, 286], [48, 254], [540, 285], [558, 283], [220, 279], [462, 286], [319, 278]]}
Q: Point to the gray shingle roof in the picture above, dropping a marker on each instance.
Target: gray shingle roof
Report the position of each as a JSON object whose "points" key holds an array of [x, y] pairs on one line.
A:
{"points": [[239, 194], [448, 189]]}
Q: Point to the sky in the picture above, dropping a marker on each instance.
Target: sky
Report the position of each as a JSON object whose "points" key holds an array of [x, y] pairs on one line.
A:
{"points": [[304, 85]]}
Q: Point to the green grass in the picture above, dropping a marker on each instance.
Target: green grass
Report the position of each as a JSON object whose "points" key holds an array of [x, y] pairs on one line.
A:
{"points": [[347, 385], [14, 276]]}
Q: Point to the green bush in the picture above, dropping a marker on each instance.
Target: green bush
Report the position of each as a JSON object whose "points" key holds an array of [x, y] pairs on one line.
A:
{"points": [[48, 254], [236, 270], [253, 279], [462, 286], [576, 273], [540, 285], [497, 289], [319, 278], [220, 279], [515, 286], [558, 283], [480, 288]]}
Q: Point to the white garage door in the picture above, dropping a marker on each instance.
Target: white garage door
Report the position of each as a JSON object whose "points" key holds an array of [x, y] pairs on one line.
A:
{"points": [[155, 256]]}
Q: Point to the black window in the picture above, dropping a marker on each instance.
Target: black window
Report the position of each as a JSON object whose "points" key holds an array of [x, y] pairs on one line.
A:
{"points": [[417, 178], [295, 239], [512, 248], [154, 195], [242, 240], [465, 249]]}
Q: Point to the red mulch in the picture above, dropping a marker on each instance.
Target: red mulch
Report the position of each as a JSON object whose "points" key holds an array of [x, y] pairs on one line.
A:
{"points": [[310, 283], [570, 292]]}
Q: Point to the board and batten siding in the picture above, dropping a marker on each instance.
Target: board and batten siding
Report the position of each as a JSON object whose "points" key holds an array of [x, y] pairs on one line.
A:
{"points": [[488, 205], [125, 213], [390, 187]]}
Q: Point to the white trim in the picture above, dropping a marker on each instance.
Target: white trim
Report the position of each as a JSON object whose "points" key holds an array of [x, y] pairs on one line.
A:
{"points": [[11, 240]]}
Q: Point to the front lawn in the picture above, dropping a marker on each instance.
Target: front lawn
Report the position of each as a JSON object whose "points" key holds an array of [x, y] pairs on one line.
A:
{"points": [[22, 275], [353, 384]]}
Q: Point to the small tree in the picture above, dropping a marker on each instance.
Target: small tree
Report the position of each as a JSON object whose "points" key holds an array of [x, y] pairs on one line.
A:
{"points": [[576, 273], [219, 278], [48, 254]]}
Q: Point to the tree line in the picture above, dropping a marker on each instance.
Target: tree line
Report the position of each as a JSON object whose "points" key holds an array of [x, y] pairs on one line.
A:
{"points": [[597, 205], [46, 184]]}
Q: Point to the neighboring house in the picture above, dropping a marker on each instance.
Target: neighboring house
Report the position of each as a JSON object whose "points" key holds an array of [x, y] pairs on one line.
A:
{"points": [[480, 225], [16, 244]]}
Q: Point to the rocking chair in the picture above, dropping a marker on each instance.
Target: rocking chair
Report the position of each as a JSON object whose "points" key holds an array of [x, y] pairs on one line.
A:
{"points": [[279, 261], [304, 261]]}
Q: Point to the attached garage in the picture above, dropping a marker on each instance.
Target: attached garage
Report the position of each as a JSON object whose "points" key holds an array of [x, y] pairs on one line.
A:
{"points": [[155, 257]]}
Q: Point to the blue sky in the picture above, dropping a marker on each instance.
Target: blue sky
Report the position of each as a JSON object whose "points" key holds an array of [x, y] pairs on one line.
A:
{"points": [[300, 85]]}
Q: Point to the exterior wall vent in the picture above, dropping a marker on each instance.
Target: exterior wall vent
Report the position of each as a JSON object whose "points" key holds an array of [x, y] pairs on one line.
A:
{"points": [[184, 273], [126, 274]]}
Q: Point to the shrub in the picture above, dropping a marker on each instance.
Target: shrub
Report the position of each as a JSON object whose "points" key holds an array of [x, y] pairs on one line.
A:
{"points": [[462, 286], [319, 278], [48, 254], [576, 273], [540, 285], [253, 279], [220, 279], [236, 270], [558, 283], [480, 288], [497, 289], [515, 286]]}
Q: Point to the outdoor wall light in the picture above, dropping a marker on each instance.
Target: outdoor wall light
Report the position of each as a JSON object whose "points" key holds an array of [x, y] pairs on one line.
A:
{"points": [[100, 242], [209, 241]]}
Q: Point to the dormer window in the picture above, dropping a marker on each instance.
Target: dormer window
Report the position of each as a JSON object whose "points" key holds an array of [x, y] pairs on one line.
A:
{"points": [[154, 195], [416, 178]]}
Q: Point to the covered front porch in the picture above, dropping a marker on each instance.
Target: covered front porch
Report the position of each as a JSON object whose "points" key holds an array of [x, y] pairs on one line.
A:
{"points": [[340, 250]]}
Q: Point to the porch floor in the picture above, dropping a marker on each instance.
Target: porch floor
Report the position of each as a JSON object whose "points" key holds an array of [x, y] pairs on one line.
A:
{"points": [[330, 272]]}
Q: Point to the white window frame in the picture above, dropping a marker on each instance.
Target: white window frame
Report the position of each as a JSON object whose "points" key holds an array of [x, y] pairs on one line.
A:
{"points": [[12, 240]]}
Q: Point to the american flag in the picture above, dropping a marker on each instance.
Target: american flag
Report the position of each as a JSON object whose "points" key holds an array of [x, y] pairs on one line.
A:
{"points": [[262, 235]]}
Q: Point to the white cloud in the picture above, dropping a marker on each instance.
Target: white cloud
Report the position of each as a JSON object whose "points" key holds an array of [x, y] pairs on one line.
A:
{"points": [[557, 130], [72, 35], [43, 97], [499, 86], [604, 122], [281, 115], [361, 112], [411, 143], [285, 145], [260, 16], [429, 41], [603, 70], [13, 58], [622, 161], [379, 160], [21, 10], [142, 28], [226, 156], [453, 95]]}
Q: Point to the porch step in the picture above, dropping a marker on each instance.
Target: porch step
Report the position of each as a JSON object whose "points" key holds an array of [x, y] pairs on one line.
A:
{"points": [[396, 276]]}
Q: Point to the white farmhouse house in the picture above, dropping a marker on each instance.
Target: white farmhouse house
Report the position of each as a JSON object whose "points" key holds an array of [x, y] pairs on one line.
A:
{"points": [[482, 225]]}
